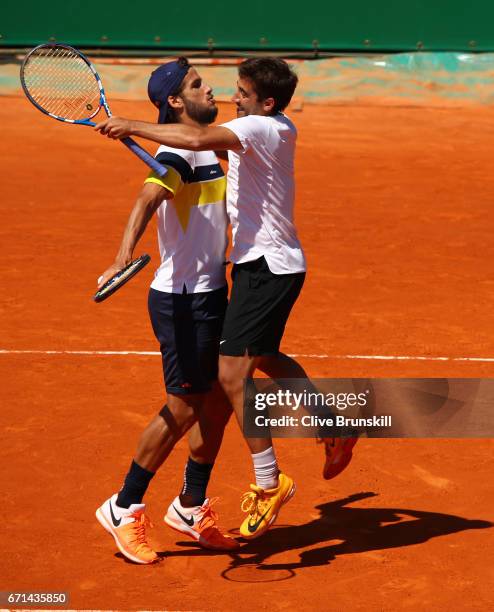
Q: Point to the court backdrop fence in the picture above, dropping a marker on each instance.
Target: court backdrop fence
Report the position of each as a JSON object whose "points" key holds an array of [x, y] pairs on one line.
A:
{"points": [[315, 27]]}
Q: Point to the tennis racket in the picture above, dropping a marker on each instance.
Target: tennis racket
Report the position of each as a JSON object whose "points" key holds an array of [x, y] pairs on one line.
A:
{"points": [[120, 278], [62, 83]]}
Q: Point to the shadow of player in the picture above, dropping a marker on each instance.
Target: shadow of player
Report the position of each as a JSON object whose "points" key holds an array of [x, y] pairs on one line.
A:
{"points": [[357, 530]]}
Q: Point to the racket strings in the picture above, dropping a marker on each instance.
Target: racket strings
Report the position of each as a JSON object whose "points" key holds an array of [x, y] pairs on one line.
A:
{"points": [[61, 86], [44, 82], [62, 83], [67, 89]]}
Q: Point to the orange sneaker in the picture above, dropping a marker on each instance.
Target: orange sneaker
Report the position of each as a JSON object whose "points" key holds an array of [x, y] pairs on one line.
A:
{"points": [[338, 455], [128, 528], [199, 523]]}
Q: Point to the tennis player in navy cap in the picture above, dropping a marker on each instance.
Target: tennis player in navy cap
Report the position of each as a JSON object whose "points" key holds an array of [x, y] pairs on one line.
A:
{"points": [[187, 303]]}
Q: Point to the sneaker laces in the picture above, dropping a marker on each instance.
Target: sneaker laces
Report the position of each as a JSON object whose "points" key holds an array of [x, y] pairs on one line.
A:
{"points": [[253, 503], [139, 525], [209, 517]]}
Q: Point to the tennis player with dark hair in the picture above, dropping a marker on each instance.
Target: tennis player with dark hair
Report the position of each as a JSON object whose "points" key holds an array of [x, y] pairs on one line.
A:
{"points": [[187, 303], [269, 264]]}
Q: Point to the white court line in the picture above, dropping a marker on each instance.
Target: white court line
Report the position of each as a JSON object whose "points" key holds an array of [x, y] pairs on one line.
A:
{"points": [[39, 352], [300, 355]]}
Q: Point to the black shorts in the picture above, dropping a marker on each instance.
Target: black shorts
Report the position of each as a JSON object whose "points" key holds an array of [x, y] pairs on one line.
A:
{"points": [[188, 328], [260, 303]]}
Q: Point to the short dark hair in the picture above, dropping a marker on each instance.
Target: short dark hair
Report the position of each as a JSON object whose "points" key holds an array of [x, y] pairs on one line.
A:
{"points": [[171, 116], [272, 78]]}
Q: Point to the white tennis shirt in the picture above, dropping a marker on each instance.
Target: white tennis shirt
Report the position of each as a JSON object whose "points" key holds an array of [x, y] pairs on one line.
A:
{"points": [[261, 192], [191, 226]]}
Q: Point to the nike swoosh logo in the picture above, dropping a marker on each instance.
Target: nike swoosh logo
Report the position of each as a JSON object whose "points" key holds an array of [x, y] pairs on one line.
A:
{"points": [[188, 521], [221, 342], [252, 527], [116, 522]]}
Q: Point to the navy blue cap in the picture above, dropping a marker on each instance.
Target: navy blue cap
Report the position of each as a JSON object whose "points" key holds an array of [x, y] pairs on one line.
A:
{"points": [[164, 82]]}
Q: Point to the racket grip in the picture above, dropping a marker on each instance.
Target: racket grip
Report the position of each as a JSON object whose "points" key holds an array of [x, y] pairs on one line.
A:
{"points": [[144, 155]]}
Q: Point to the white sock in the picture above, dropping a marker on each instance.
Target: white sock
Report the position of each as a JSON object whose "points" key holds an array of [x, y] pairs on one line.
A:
{"points": [[266, 469]]}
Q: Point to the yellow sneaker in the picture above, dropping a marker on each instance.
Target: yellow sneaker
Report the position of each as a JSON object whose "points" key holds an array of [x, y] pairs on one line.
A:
{"points": [[128, 528], [263, 506]]}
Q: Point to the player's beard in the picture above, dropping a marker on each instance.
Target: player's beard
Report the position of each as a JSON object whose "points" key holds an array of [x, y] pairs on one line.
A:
{"points": [[204, 115]]}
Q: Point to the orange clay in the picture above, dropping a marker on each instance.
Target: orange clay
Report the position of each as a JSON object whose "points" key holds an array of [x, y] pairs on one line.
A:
{"points": [[395, 210]]}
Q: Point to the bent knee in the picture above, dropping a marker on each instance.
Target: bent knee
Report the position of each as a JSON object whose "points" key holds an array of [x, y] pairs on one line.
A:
{"points": [[178, 419], [233, 370], [230, 380]]}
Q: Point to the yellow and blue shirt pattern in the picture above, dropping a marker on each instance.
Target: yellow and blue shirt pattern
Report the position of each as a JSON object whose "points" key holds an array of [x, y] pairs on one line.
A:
{"points": [[192, 225], [191, 185]]}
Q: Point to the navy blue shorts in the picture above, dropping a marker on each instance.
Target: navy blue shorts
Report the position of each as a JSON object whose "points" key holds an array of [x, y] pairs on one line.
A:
{"points": [[188, 328]]}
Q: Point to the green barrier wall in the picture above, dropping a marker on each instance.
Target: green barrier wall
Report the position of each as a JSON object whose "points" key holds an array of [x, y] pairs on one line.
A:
{"points": [[387, 25]]}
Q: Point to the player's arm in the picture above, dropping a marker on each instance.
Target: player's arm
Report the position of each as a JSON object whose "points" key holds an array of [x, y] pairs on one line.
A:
{"points": [[147, 203], [222, 155], [175, 135]]}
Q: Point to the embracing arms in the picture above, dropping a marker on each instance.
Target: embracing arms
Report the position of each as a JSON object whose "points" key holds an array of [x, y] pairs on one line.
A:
{"points": [[176, 135]]}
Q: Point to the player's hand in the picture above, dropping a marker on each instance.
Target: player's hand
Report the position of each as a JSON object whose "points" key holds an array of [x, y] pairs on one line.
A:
{"points": [[111, 271], [114, 127]]}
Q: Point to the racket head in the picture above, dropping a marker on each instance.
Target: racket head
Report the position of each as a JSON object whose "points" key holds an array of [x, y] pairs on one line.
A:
{"points": [[62, 83], [122, 277]]}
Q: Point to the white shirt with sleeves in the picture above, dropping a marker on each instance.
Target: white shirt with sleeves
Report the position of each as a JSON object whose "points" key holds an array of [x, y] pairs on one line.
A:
{"points": [[261, 193]]}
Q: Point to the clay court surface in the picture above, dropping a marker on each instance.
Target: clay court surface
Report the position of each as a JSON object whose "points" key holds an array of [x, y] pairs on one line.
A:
{"points": [[395, 210]]}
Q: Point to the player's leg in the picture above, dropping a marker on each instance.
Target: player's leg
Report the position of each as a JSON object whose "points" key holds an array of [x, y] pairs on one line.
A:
{"points": [[158, 439], [191, 511], [273, 489], [123, 514], [233, 371], [281, 366], [337, 451], [206, 437], [259, 306]]}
